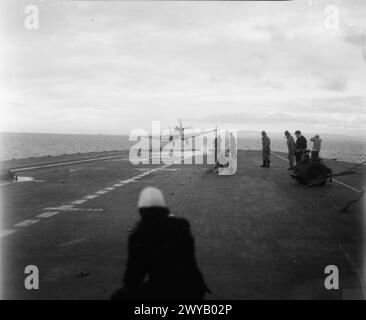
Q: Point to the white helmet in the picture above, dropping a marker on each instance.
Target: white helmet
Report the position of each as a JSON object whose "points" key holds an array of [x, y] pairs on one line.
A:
{"points": [[151, 197]]}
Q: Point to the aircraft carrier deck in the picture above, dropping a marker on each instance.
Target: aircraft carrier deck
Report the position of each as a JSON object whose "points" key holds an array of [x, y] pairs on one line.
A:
{"points": [[258, 234]]}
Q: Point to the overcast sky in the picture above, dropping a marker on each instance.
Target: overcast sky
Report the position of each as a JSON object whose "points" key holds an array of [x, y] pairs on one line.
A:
{"points": [[109, 67]]}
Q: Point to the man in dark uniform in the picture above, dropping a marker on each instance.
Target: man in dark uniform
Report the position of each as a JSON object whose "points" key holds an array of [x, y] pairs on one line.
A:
{"points": [[291, 149], [266, 150], [215, 147], [161, 255], [301, 146]]}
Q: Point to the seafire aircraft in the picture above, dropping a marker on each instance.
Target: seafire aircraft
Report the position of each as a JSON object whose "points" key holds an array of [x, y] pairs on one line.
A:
{"points": [[181, 134]]}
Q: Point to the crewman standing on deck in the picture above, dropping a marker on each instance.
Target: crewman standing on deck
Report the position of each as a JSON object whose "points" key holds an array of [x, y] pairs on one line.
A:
{"points": [[217, 145], [316, 147], [301, 146], [266, 150], [232, 145], [291, 149], [161, 255]]}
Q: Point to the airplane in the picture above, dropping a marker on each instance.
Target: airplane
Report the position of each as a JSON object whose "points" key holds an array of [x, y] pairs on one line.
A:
{"points": [[171, 137]]}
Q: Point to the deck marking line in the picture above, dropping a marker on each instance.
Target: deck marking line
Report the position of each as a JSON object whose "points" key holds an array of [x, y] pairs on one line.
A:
{"points": [[91, 196], [347, 186], [69, 243], [101, 192], [49, 165], [62, 209], [128, 180], [335, 180], [279, 156], [79, 201], [6, 232], [26, 223], [91, 210], [47, 214]]}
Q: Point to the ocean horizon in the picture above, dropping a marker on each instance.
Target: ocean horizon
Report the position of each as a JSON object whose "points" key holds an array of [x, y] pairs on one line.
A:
{"points": [[24, 145]]}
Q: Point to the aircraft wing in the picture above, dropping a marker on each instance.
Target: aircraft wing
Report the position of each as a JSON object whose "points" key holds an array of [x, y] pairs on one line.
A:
{"points": [[166, 137], [196, 134]]}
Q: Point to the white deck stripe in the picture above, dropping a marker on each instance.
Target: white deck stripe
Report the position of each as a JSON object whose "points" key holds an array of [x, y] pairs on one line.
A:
{"points": [[91, 196], [26, 223], [50, 165], [101, 192], [79, 201], [279, 156], [70, 207], [62, 208], [6, 232], [335, 180], [128, 180], [47, 214], [346, 186], [71, 242]]}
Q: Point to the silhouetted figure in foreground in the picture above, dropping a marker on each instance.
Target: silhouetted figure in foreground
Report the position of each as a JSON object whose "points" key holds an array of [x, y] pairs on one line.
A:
{"points": [[161, 256]]}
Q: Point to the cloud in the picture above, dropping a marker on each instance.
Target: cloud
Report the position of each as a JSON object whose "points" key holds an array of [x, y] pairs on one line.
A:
{"points": [[347, 104], [335, 83], [356, 37], [127, 62], [276, 33], [291, 119], [347, 113]]}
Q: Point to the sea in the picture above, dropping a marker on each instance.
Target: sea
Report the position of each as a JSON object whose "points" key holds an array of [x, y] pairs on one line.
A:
{"points": [[24, 145]]}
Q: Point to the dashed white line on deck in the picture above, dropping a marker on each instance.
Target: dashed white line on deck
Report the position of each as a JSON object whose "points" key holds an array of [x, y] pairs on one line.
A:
{"points": [[47, 214], [57, 164], [79, 201], [26, 223], [101, 192], [6, 232], [70, 207], [91, 196], [69, 243]]}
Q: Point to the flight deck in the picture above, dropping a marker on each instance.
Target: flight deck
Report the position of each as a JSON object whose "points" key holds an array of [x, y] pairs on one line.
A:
{"points": [[258, 233]]}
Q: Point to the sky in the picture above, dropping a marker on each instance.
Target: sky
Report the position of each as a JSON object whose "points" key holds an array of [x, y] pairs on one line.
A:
{"points": [[108, 67]]}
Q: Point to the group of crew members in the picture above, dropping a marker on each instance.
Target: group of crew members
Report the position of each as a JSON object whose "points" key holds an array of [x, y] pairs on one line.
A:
{"points": [[297, 150]]}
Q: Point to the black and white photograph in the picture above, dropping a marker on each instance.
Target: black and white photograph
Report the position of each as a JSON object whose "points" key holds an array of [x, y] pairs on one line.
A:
{"points": [[191, 152]]}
